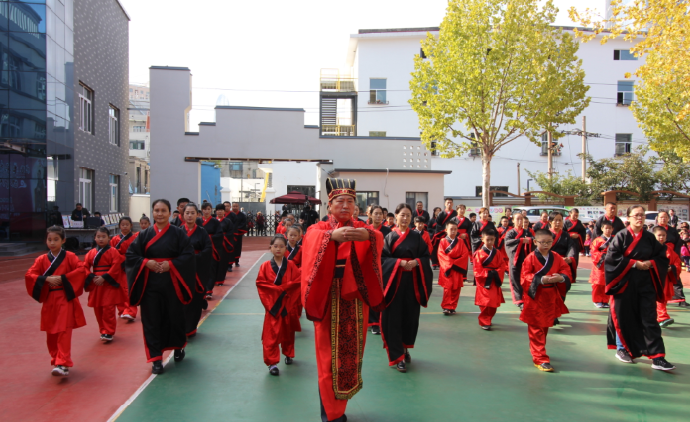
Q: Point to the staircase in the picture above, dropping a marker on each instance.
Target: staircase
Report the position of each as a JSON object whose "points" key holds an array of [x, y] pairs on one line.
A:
{"points": [[20, 249]]}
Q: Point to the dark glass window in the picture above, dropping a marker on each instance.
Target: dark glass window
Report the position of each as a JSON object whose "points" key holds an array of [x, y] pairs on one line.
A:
{"points": [[27, 17]]}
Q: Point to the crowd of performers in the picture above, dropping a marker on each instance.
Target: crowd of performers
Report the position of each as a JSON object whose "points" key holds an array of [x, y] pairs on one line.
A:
{"points": [[166, 271], [349, 276]]}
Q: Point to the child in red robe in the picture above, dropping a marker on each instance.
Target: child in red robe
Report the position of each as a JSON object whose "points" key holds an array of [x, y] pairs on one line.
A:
{"points": [[490, 265], [597, 278], [294, 254], [452, 259], [420, 224], [545, 281], [674, 270], [279, 284], [56, 280], [121, 243], [103, 267]]}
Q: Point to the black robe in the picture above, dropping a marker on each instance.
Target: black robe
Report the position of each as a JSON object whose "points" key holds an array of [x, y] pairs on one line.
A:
{"points": [[674, 241], [440, 232], [476, 234], [635, 293], [517, 251], [203, 250], [539, 225], [239, 222], [618, 225], [566, 248], [161, 295], [218, 254], [227, 227], [423, 214], [404, 291]]}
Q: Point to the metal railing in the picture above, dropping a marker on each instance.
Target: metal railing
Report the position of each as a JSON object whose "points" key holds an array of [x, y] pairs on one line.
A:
{"points": [[338, 130], [332, 80]]}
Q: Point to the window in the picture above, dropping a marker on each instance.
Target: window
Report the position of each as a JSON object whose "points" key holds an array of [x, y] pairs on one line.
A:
{"points": [[138, 128], [114, 193], [623, 143], [41, 88], [364, 199], [303, 189], [475, 151], [478, 191], [545, 146], [626, 92], [113, 125], [421, 53], [377, 91], [411, 198], [235, 170], [432, 148], [86, 108], [377, 133], [86, 188], [137, 145], [623, 55]]}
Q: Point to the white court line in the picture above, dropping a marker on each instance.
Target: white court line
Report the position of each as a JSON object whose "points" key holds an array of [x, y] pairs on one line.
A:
{"points": [[129, 401]]}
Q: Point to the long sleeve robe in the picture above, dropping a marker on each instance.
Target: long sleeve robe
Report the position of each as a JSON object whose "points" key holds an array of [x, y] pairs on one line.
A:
{"points": [[489, 269], [106, 263], [453, 261], [543, 302], [409, 246]]}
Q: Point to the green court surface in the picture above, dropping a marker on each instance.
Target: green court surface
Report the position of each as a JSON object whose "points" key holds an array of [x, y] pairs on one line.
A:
{"points": [[458, 371]]}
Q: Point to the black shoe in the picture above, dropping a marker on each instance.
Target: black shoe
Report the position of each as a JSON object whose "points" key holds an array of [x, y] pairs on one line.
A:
{"points": [[237, 264], [486, 327], [662, 365], [666, 323], [107, 338], [408, 358], [376, 330], [273, 370], [452, 311], [288, 360], [446, 312], [179, 355], [544, 367], [401, 367], [204, 304], [556, 321], [230, 269], [624, 356], [683, 303], [157, 367]]}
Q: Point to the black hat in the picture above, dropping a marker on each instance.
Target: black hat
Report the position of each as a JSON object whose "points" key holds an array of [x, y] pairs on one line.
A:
{"points": [[337, 187]]}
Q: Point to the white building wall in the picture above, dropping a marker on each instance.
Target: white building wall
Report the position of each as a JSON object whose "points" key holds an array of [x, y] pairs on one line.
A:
{"points": [[390, 55]]}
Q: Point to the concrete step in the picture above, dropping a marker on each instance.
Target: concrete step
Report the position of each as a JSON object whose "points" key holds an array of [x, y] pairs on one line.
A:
{"points": [[19, 249]]}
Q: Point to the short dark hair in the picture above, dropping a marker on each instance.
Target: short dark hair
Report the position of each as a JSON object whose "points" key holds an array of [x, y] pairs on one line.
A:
{"points": [[508, 209], [448, 199], [226, 202], [96, 213], [295, 227], [489, 232], [553, 215], [103, 230], [164, 201], [473, 214], [59, 230], [419, 219], [220, 207], [606, 223], [505, 218], [176, 212], [390, 214], [206, 205], [125, 219], [543, 232], [279, 237], [575, 210], [658, 229], [452, 221], [78, 204], [610, 203], [633, 207], [182, 201]]}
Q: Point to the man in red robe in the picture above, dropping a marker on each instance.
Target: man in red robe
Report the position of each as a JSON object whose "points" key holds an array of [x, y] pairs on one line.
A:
{"points": [[341, 279]]}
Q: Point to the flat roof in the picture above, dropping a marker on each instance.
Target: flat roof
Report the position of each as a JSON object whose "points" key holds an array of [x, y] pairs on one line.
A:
{"points": [[259, 108], [169, 67], [394, 171]]}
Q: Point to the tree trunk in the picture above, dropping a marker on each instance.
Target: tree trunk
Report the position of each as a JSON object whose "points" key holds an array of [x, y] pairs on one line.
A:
{"points": [[486, 179]]}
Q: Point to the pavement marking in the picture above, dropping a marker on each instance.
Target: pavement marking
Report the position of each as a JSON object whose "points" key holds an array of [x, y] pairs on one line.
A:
{"points": [[146, 383]]}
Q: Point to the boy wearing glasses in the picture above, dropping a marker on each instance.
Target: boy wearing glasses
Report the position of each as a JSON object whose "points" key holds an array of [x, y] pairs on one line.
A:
{"points": [[545, 280]]}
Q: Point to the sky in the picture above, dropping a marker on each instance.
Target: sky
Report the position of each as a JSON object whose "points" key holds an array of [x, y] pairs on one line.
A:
{"points": [[266, 53]]}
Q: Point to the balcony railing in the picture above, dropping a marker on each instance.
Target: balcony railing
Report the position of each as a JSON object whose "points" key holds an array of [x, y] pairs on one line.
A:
{"points": [[333, 80], [338, 130]]}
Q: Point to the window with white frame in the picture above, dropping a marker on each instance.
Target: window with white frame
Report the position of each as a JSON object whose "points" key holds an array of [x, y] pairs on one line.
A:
{"points": [[113, 125], [137, 145], [545, 145], [475, 150], [86, 188], [138, 128], [114, 193], [623, 55], [85, 108], [377, 91], [411, 199], [626, 92], [623, 143]]}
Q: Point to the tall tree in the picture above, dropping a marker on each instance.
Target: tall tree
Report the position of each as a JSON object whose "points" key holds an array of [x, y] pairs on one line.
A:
{"points": [[635, 172], [660, 30], [563, 185], [498, 70]]}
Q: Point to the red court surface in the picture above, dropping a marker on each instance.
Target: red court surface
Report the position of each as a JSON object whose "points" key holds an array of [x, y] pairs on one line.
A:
{"points": [[104, 375]]}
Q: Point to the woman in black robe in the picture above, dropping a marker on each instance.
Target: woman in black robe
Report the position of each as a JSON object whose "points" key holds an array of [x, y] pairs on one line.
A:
{"points": [[478, 227], [636, 267], [161, 275], [518, 243], [376, 216], [407, 278], [218, 254], [201, 244]]}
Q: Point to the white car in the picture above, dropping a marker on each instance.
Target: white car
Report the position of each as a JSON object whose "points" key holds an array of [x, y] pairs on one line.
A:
{"points": [[650, 218], [534, 213]]}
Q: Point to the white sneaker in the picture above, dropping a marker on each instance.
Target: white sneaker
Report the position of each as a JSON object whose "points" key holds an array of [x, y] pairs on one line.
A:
{"points": [[60, 371], [127, 317]]}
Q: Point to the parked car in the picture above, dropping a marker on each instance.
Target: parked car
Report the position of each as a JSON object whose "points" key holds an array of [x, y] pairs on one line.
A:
{"points": [[650, 218], [534, 213]]}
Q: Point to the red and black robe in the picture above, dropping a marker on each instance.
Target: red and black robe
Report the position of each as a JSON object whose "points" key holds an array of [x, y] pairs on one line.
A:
{"points": [[203, 250], [635, 292], [227, 227], [453, 259], [295, 254], [161, 295], [423, 214], [616, 222], [440, 233], [239, 221], [576, 227], [121, 243], [107, 263], [517, 250], [218, 253], [598, 250], [543, 303], [500, 240], [61, 308], [489, 269], [565, 246]]}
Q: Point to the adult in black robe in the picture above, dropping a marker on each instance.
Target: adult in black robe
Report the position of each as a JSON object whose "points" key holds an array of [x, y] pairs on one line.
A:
{"points": [[218, 254], [609, 214], [161, 274], [421, 212], [239, 221], [376, 214], [636, 266], [440, 233], [563, 244], [408, 279], [478, 227], [578, 234], [203, 249], [518, 244], [227, 235]]}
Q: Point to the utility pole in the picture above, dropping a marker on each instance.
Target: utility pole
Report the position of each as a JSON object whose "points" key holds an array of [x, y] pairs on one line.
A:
{"points": [[584, 148], [518, 166], [549, 152]]}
